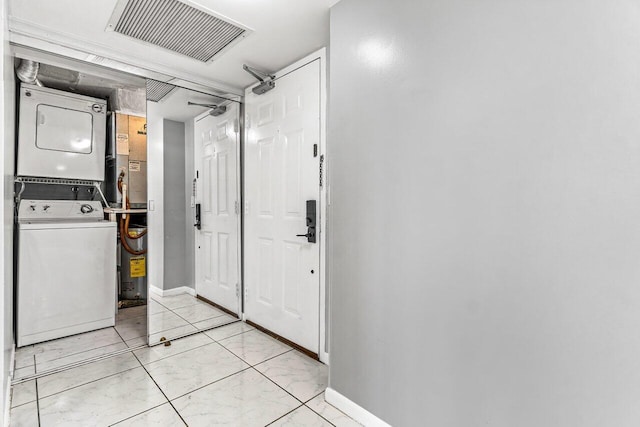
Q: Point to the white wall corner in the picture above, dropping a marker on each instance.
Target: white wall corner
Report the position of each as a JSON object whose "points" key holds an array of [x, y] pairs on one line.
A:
{"points": [[352, 409]]}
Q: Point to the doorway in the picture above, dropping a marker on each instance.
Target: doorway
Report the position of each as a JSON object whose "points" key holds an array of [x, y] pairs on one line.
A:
{"points": [[284, 206], [217, 196], [261, 252]]}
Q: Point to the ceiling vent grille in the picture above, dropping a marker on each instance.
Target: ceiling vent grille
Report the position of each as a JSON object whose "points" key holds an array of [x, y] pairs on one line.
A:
{"points": [[176, 26], [157, 90]]}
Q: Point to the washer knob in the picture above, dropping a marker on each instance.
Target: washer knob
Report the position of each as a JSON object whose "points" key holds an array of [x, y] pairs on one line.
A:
{"points": [[86, 208]]}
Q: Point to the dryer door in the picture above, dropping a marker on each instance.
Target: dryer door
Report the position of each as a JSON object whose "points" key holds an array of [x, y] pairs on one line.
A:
{"points": [[63, 129]]}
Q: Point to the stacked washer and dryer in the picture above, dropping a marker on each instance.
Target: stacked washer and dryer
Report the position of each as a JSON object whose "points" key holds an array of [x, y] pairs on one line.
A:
{"points": [[66, 249]]}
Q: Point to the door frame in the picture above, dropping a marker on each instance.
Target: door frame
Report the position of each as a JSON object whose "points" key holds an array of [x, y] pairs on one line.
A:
{"points": [[239, 200], [320, 55]]}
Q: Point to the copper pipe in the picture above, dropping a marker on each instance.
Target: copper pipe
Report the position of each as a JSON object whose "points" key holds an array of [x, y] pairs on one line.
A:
{"points": [[124, 224]]}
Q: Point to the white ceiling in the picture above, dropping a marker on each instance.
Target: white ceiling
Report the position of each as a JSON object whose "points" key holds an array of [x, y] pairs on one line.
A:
{"points": [[283, 31]]}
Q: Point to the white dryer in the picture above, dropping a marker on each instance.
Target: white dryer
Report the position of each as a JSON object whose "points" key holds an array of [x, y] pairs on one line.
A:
{"points": [[66, 269], [61, 134]]}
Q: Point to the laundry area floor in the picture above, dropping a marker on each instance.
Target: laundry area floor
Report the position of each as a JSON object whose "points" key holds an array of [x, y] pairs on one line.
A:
{"points": [[231, 375], [178, 315], [170, 317]]}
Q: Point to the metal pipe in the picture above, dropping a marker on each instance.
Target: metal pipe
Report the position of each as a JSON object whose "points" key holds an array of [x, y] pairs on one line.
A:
{"points": [[27, 72]]}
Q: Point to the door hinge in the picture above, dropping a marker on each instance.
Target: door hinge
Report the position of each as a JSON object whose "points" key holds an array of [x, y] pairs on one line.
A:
{"points": [[237, 290], [321, 169], [237, 207]]}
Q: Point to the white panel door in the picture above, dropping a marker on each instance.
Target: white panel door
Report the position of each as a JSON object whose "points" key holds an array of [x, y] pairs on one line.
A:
{"points": [[217, 191], [282, 285]]}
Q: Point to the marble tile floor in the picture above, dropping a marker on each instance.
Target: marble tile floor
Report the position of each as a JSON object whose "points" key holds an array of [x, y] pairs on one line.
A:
{"points": [[233, 375], [170, 317], [179, 315]]}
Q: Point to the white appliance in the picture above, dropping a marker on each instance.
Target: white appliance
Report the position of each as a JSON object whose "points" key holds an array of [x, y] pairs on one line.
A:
{"points": [[66, 269], [61, 134]]}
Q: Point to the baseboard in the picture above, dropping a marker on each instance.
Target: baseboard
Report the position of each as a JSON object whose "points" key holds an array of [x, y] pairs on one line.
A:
{"points": [[352, 409], [171, 292]]}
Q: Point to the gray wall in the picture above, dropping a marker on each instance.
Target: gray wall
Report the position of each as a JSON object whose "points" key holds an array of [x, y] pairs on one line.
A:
{"points": [[174, 210], [485, 211]]}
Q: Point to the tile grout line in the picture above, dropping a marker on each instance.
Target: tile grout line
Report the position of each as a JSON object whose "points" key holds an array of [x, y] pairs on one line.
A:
{"points": [[264, 375], [208, 384], [15, 364], [170, 309], [281, 417], [314, 397], [78, 352], [321, 416], [181, 352], [273, 382], [173, 312], [230, 336], [196, 332], [301, 402], [249, 366], [192, 323], [135, 415], [316, 412], [164, 331], [161, 391], [37, 401], [189, 323], [278, 385], [88, 382], [210, 318], [245, 361], [328, 404]]}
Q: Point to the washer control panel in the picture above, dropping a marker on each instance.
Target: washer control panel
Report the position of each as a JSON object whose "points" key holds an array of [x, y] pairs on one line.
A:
{"points": [[60, 210]]}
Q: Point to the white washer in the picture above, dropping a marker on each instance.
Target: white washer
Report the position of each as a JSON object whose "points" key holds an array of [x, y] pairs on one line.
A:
{"points": [[66, 269]]}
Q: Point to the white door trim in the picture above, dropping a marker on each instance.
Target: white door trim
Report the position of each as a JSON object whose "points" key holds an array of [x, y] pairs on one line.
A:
{"points": [[321, 55], [239, 198]]}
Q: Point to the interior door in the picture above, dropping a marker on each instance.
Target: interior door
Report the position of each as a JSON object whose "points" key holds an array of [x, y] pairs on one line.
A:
{"points": [[282, 285], [217, 192]]}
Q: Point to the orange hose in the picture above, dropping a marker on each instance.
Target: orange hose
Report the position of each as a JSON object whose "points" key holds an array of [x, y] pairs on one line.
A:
{"points": [[124, 225], [125, 244]]}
